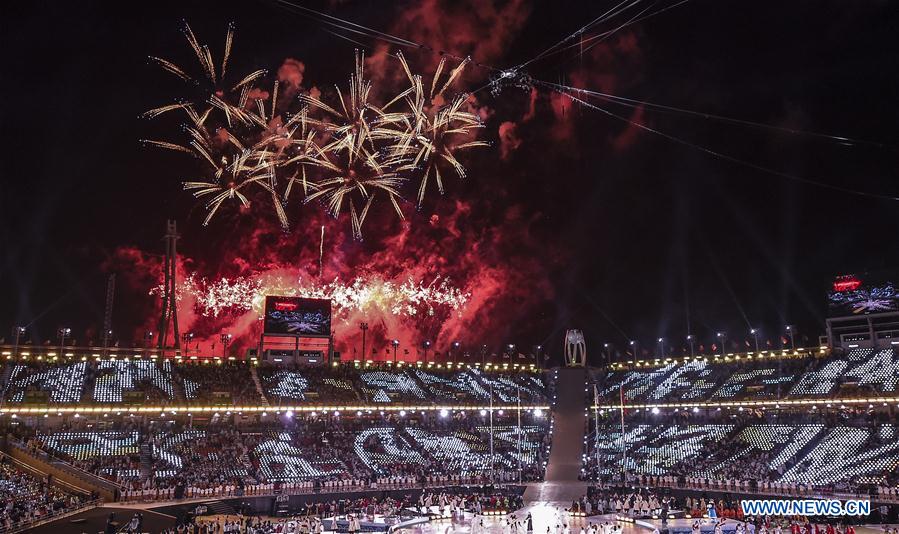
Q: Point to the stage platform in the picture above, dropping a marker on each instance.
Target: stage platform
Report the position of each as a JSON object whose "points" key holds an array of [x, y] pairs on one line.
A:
{"points": [[685, 526], [545, 518]]}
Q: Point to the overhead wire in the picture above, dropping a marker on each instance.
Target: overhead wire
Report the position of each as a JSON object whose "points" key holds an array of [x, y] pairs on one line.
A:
{"points": [[603, 35], [568, 90], [375, 34], [652, 106], [722, 155], [598, 20], [345, 24]]}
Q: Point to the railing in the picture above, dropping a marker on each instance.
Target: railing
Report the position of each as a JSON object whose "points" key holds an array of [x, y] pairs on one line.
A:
{"points": [[743, 487], [54, 353], [719, 358], [62, 464], [200, 494], [191, 409], [22, 526], [22, 466]]}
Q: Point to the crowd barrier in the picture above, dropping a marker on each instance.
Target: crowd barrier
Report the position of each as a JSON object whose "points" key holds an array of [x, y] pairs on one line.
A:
{"points": [[880, 493], [308, 487]]}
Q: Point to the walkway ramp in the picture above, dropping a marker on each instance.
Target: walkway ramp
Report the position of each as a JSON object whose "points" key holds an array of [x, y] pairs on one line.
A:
{"points": [[65, 474], [564, 466]]}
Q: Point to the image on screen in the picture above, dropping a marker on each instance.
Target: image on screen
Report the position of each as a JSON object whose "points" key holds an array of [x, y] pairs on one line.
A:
{"points": [[862, 294], [297, 316]]}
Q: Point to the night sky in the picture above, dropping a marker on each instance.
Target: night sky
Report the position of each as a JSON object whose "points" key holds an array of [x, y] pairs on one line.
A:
{"points": [[639, 236]]}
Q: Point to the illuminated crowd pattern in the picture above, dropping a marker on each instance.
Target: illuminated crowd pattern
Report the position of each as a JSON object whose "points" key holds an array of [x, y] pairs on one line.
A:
{"points": [[287, 453], [164, 383], [114, 378], [63, 384], [808, 454], [860, 372], [110, 454]]}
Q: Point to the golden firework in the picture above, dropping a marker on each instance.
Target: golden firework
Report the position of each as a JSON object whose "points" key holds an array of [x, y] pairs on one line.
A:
{"points": [[346, 151]]}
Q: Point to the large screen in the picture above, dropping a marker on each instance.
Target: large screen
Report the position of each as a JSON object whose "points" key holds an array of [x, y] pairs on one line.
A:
{"points": [[297, 316], [861, 294]]}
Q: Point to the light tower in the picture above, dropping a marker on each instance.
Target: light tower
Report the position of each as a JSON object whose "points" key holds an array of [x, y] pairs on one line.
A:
{"points": [[226, 340], [107, 315], [18, 332], [791, 331], [169, 303], [62, 333], [364, 327]]}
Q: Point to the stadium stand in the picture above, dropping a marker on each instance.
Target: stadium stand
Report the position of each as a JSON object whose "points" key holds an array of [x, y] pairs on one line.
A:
{"points": [[327, 452], [829, 425], [381, 426], [26, 498], [857, 373], [149, 380], [227, 383], [768, 453], [44, 382], [299, 385], [164, 383], [113, 455]]}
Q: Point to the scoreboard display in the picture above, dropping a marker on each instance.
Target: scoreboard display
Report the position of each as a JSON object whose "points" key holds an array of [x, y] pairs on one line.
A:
{"points": [[297, 316], [862, 294]]}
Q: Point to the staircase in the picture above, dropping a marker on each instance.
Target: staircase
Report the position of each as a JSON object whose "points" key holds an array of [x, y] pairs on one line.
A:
{"points": [[219, 508], [6, 378], [569, 423], [258, 383], [808, 437], [146, 461], [90, 383], [178, 393]]}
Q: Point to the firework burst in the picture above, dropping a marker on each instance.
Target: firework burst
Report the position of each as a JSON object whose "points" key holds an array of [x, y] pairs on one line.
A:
{"points": [[355, 169], [404, 298], [436, 131], [348, 154]]}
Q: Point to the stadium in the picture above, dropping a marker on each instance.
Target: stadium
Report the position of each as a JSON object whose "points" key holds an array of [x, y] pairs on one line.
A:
{"points": [[292, 440], [433, 266]]}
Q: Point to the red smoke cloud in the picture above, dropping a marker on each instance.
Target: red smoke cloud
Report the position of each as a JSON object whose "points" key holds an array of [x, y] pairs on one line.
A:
{"points": [[489, 256], [508, 139], [290, 75], [486, 248], [532, 105], [480, 29], [563, 127], [628, 136], [608, 67]]}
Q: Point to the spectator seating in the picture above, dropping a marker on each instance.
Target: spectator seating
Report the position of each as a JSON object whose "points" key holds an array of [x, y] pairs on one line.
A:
{"points": [[326, 449], [810, 454], [26, 497], [151, 379], [62, 383], [860, 372], [164, 382]]}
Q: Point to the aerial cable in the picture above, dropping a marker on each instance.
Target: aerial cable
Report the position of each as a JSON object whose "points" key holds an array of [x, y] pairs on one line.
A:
{"points": [[724, 156]]}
